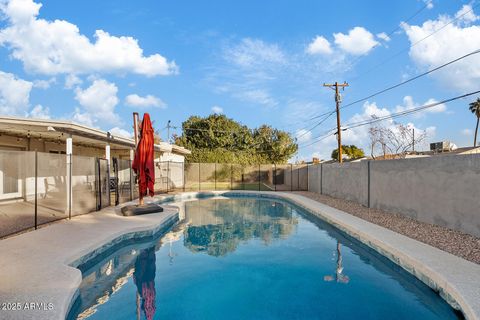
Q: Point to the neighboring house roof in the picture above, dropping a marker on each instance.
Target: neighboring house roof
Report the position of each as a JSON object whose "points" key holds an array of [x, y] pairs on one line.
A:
{"points": [[60, 130]]}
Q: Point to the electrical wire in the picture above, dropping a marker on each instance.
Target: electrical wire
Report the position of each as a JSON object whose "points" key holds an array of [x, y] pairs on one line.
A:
{"points": [[400, 84], [391, 116]]}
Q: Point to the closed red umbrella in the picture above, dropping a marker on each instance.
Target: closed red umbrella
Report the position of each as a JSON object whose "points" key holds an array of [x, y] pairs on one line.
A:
{"points": [[143, 164]]}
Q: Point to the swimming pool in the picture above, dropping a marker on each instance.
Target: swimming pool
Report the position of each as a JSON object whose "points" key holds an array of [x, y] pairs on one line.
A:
{"points": [[252, 258]]}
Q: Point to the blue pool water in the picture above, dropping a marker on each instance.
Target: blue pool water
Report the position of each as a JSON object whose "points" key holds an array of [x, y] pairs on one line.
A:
{"points": [[249, 258]]}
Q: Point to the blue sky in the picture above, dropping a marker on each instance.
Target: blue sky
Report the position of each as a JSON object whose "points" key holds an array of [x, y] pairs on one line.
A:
{"points": [[95, 62]]}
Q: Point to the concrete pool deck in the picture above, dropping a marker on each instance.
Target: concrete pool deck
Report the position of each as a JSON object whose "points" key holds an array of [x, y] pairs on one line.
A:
{"points": [[35, 266]]}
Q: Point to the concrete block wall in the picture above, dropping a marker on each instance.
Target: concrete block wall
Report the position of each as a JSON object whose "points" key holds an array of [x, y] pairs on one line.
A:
{"points": [[346, 181], [441, 190], [314, 174]]}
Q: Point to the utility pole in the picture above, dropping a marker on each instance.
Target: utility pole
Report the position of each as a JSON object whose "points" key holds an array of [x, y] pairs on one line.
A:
{"points": [[338, 100], [168, 130]]}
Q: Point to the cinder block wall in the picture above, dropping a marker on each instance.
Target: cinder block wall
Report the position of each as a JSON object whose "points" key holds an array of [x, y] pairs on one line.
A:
{"points": [[441, 190], [347, 181]]}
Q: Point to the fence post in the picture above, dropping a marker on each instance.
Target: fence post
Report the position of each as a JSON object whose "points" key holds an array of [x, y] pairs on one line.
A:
{"points": [[298, 179], [215, 175], [275, 176], [199, 180], [131, 180], [321, 178], [168, 175], [99, 183], [259, 177], [291, 177], [36, 182], [231, 176], [243, 173], [368, 185], [183, 175]]}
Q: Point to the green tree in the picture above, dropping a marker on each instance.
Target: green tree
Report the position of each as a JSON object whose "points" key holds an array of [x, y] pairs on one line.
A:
{"points": [[216, 138], [475, 109], [351, 151]]}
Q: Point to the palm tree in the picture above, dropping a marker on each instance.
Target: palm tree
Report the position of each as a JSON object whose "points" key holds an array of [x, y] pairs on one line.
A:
{"points": [[475, 109]]}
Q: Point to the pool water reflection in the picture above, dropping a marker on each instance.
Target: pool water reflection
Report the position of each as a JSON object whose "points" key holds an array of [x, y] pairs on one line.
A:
{"points": [[249, 258]]}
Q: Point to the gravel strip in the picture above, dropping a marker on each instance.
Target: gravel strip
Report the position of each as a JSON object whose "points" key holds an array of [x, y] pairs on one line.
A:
{"points": [[455, 242]]}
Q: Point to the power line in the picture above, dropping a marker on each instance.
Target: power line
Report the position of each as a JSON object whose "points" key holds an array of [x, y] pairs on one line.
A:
{"points": [[412, 79], [401, 83], [407, 112], [417, 42], [358, 58], [391, 116]]}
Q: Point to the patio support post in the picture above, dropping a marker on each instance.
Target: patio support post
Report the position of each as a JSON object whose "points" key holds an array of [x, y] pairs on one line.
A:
{"points": [[69, 176], [107, 156]]}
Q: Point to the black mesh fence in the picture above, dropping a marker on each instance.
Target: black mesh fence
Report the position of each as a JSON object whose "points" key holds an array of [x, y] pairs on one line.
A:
{"points": [[265, 177]]}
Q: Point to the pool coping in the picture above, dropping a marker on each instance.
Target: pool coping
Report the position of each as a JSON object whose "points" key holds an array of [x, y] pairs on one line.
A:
{"points": [[40, 266], [28, 271], [455, 279]]}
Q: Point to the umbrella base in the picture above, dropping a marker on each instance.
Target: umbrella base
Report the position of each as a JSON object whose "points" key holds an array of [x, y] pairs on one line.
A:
{"points": [[137, 210]]}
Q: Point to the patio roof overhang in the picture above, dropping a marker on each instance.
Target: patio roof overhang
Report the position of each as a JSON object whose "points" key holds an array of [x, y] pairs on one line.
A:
{"points": [[53, 130]]}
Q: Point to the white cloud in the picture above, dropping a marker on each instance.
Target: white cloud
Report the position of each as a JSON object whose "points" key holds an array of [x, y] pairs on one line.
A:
{"points": [[358, 41], [39, 112], [83, 118], [383, 36], [466, 14], [134, 100], [14, 94], [303, 135], [251, 52], [71, 81], [319, 45], [98, 102], [44, 84], [429, 3], [409, 104], [116, 131], [53, 47], [454, 40], [258, 96], [467, 132], [217, 109]]}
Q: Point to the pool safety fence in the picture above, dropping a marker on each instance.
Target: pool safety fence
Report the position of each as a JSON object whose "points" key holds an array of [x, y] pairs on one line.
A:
{"points": [[225, 176], [37, 188]]}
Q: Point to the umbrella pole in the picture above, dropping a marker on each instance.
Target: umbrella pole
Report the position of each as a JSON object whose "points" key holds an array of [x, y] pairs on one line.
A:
{"points": [[135, 133]]}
